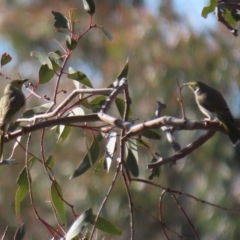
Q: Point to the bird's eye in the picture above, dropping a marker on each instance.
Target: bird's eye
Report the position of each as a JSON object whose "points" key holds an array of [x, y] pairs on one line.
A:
{"points": [[19, 82]]}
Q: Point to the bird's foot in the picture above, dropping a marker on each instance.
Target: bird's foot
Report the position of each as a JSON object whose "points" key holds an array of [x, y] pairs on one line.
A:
{"points": [[206, 121], [8, 135]]}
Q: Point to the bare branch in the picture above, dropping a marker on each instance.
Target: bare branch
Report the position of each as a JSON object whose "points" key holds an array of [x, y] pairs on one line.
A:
{"points": [[102, 91], [184, 152], [180, 124], [121, 86], [168, 130]]}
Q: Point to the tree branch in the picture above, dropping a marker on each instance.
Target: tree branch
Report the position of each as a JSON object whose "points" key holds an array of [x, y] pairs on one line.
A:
{"points": [[184, 152]]}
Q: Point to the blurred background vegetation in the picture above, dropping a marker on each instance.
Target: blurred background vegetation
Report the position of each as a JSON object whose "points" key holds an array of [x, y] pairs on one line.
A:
{"points": [[163, 43]]}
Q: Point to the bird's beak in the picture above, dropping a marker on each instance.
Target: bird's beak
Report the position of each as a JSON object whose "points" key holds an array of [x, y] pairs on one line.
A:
{"points": [[185, 84], [25, 80]]}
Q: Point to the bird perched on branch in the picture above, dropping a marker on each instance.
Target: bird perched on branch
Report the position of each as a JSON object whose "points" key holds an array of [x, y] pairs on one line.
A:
{"points": [[211, 103], [12, 106]]}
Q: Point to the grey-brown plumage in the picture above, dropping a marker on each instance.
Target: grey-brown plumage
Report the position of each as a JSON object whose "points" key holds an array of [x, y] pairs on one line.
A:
{"points": [[211, 103], [12, 106]]}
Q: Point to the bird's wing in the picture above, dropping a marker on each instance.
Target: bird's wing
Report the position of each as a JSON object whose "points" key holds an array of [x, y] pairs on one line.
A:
{"points": [[216, 103], [10, 104]]}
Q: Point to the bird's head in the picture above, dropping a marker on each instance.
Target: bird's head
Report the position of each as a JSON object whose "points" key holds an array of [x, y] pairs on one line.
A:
{"points": [[18, 83], [193, 85]]}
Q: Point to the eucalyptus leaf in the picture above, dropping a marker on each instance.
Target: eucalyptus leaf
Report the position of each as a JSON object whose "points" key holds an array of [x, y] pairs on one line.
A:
{"points": [[79, 224], [71, 43], [210, 8], [56, 198], [79, 76], [45, 74], [132, 164], [64, 131], [110, 149], [89, 159], [107, 33], [23, 188], [61, 21], [106, 226], [42, 58], [50, 161], [151, 135], [20, 233], [5, 59], [89, 6], [56, 59]]}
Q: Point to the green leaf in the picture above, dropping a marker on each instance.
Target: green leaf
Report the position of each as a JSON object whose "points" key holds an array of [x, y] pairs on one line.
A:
{"points": [[89, 6], [20, 233], [100, 164], [56, 194], [61, 21], [110, 149], [132, 145], [89, 159], [45, 74], [37, 110], [22, 191], [155, 171], [79, 76], [151, 135], [105, 226], [50, 161], [64, 131], [107, 33], [42, 58], [98, 100], [210, 8], [5, 59], [142, 143], [132, 164], [79, 224], [86, 104], [56, 60], [124, 72], [71, 43], [96, 104], [228, 17], [120, 103]]}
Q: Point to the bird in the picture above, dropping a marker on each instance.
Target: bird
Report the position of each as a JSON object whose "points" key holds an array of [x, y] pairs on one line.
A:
{"points": [[12, 106], [212, 103]]}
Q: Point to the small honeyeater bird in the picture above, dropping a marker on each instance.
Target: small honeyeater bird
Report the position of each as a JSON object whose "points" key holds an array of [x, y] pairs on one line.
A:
{"points": [[211, 103], [12, 106]]}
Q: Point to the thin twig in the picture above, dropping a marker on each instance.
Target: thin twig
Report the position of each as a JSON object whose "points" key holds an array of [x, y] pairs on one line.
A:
{"points": [[180, 100], [4, 233], [160, 212], [162, 223], [130, 203], [186, 216], [185, 194], [105, 199]]}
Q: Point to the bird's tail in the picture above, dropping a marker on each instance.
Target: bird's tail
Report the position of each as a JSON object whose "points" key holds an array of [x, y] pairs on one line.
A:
{"points": [[233, 132]]}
